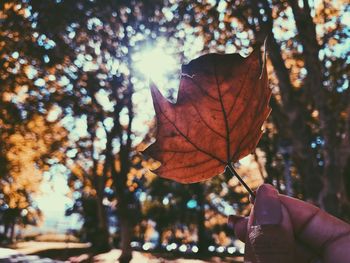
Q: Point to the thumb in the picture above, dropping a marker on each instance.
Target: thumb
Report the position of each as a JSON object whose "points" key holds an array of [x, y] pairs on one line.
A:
{"points": [[269, 231]]}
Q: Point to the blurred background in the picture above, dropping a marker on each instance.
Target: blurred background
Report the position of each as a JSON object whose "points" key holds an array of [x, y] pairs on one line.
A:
{"points": [[75, 110]]}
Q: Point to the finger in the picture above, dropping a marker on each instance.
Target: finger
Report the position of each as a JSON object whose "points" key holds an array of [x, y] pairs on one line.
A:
{"points": [[270, 234], [305, 254], [318, 229], [239, 225]]}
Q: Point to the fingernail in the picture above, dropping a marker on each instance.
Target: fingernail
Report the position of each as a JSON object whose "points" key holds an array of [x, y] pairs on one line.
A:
{"points": [[232, 220], [267, 206]]}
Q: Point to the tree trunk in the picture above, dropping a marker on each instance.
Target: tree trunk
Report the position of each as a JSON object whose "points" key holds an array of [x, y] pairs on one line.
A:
{"points": [[125, 198], [288, 181], [202, 235], [103, 244], [294, 126], [298, 132], [125, 235], [160, 230], [346, 178], [103, 231], [99, 180], [12, 232], [6, 229], [123, 212], [333, 196], [101, 239], [330, 196]]}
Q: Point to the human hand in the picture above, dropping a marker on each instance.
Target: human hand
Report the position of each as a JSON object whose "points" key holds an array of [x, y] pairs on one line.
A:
{"points": [[281, 229]]}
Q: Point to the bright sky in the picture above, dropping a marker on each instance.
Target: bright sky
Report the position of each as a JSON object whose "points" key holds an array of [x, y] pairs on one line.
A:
{"points": [[53, 203], [155, 63], [53, 200]]}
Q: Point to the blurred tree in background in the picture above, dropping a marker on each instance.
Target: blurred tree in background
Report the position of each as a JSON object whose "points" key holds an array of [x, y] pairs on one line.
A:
{"points": [[97, 41], [29, 142], [308, 54], [73, 93]]}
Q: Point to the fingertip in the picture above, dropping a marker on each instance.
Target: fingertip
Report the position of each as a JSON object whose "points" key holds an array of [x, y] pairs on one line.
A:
{"points": [[262, 188], [267, 208], [267, 187]]}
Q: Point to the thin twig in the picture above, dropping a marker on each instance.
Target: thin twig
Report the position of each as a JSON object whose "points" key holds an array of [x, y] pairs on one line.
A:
{"points": [[231, 170]]}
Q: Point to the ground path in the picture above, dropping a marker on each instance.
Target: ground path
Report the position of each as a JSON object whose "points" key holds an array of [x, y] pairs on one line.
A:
{"points": [[56, 252]]}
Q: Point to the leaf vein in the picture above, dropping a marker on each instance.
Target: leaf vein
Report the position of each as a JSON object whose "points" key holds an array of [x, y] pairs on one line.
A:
{"points": [[187, 139]]}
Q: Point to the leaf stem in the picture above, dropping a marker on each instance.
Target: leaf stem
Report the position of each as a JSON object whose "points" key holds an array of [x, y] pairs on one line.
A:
{"points": [[231, 170]]}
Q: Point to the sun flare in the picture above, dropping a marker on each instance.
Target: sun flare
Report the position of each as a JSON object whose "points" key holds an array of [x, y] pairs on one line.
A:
{"points": [[155, 64]]}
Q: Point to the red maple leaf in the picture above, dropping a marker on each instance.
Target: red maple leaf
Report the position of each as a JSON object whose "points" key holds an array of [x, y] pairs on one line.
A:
{"points": [[217, 119]]}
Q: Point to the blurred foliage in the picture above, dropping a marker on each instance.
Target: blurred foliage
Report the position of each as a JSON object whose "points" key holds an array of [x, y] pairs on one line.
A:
{"points": [[71, 94], [30, 143], [306, 145]]}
